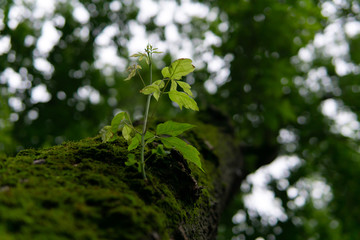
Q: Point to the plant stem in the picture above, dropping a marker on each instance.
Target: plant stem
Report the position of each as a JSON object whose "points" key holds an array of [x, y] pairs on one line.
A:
{"points": [[142, 163], [141, 78]]}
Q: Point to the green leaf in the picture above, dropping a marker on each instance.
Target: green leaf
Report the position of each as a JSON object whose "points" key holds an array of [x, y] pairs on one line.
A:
{"points": [[151, 89], [182, 99], [131, 74], [126, 132], [106, 133], [178, 69], [160, 83], [159, 150], [172, 128], [165, 72], [135, 141], [189, 152], [119, 121], [173, 85], [149, 137], [139, 55], [132, 69], [186, 87], [156, 95], [131, 159]]}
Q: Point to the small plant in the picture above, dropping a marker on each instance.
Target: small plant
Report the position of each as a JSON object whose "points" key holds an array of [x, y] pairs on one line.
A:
{"points": [[167, 133]]}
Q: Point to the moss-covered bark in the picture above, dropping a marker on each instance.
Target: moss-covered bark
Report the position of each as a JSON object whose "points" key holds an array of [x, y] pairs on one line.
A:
{"points": [[83, 190]]}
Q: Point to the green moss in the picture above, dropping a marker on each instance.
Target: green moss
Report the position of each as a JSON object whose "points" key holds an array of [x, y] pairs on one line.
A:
{"points": [[83, 190]]}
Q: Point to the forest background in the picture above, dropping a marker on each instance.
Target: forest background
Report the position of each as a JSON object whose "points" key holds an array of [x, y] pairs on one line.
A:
{"points": [[285, 72]]}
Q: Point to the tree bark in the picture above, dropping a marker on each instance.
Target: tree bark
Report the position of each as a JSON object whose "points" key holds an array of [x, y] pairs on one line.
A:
{"points": [[84, 190]]}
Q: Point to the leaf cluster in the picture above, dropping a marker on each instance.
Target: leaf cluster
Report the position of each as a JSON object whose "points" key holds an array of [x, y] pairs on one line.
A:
{"points": [[167, 133], [171, 75]]}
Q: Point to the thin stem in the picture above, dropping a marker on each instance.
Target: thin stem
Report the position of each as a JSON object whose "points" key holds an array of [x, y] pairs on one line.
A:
{"points": [[142, 163], [141, 77]]}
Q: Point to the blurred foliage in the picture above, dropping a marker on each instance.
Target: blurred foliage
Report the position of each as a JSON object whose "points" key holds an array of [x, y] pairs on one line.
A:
{"points": [[67, 115], [260, 80], [270, 92], [5, 127]]}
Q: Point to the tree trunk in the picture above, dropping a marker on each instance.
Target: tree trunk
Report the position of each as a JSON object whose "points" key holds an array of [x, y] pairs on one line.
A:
{"points": [[84, 190]]}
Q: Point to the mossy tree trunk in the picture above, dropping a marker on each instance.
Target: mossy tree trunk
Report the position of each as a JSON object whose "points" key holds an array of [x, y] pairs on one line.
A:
{"points": [[83, 190]]}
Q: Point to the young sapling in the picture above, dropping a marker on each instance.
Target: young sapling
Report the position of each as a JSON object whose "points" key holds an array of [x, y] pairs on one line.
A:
{"points": [[166, 133]]}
